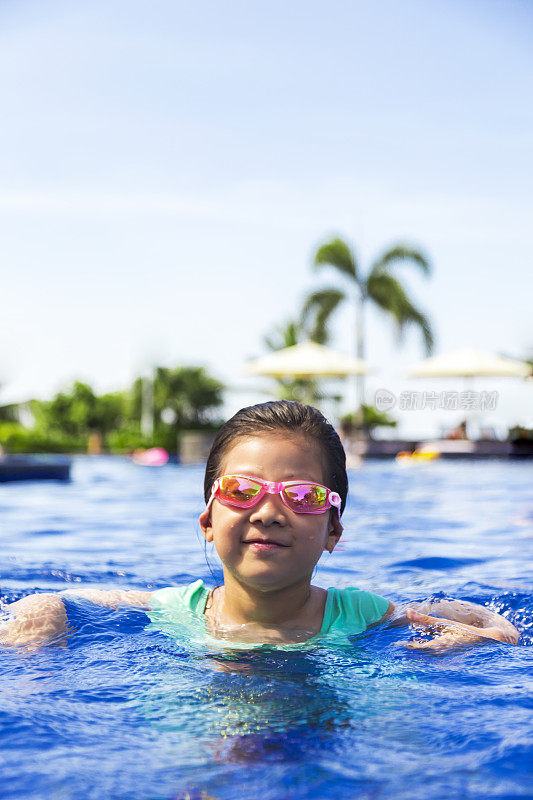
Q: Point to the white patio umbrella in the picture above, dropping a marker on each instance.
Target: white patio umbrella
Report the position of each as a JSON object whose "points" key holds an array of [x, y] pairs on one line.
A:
{"points": [[469, 363], [307, 360]]}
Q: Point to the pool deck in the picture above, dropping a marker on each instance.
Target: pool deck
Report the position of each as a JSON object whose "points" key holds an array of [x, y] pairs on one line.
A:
{"points": [[446, 448]]}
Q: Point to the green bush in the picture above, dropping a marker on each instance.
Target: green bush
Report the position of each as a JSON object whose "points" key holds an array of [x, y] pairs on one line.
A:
{"points": [[127, 439], [15, 438], [74, 417], [365, 420]]}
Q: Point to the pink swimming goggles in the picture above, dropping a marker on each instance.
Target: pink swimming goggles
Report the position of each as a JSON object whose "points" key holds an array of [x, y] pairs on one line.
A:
{"points": [[303, 497]]}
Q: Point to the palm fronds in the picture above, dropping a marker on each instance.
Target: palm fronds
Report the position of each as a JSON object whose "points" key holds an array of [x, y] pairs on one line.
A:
{"points": [[286, 335], [388, 293], [337, 254], [316, 311], [399, 254]]}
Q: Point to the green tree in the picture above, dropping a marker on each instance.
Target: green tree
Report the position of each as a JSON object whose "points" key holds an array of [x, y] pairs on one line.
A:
{"points": [[287, 335], [183, 398], [79, 412], [189, 392], [379, 286], [9, 413], [187, 396], [365, 420]]}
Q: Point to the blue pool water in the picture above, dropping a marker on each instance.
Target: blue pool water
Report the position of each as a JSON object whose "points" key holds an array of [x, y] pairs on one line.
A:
{"points": [[125, 712]]}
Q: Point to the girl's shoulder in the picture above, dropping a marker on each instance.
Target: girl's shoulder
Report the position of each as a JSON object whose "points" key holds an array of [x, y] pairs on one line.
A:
{"points": [[352, 609], [191, 597]]}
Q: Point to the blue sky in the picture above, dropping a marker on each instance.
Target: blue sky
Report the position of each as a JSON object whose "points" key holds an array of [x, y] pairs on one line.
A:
{"points": [[168, 168]]}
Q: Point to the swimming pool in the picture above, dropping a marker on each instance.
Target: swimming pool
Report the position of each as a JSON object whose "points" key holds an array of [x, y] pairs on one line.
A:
{"points": [[125, 712]]}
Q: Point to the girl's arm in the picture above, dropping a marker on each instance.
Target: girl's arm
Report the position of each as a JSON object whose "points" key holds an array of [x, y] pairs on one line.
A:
{"points": [[39, 619], [456, 622], [114, 598]]}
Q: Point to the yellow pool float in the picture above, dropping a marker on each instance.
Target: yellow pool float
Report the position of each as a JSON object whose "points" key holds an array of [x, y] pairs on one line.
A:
{"points": [[417, 455]]}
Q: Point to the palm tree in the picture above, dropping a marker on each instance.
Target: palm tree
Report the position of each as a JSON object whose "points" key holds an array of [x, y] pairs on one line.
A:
{"points": [[379, 285], [286, 335]]}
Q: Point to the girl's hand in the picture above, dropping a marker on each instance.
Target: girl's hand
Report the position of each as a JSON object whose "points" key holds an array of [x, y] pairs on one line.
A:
{"points": [[34, 621], [451, 629]]}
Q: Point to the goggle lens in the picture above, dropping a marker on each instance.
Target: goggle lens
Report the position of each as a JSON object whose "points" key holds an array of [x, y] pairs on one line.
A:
{"points": [[236, 489], [306, 497]]}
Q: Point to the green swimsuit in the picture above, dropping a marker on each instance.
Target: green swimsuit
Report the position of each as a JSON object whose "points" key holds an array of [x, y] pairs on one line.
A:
{"points": [[348, 612]]}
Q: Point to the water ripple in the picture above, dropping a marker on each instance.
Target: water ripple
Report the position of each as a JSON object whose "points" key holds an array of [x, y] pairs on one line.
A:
{"points": [[121, 710]]}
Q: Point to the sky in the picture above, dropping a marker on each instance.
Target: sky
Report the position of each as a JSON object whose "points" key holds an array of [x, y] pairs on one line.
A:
{"points": [[168, 169]]}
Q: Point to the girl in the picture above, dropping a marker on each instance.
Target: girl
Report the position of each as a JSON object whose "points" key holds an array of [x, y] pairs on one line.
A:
{"points": [[275, 489]]}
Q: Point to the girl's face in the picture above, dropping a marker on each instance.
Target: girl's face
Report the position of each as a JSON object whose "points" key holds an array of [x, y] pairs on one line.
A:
{"points": [[296, 541]]}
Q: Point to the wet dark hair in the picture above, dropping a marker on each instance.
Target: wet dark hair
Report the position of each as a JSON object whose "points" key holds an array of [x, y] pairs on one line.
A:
{"points": [[289, 417]]}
